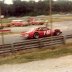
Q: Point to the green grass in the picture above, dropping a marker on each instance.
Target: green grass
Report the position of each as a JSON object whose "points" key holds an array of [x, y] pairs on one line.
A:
{"points": [[56, 19], [5, 21], [37, 54]]}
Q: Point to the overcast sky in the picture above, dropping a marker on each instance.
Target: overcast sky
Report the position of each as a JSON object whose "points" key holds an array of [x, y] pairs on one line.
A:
{"points": [[10, 1]]}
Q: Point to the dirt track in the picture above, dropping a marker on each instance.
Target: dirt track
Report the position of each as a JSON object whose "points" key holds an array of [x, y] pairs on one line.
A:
{"points": [[62, 64]]}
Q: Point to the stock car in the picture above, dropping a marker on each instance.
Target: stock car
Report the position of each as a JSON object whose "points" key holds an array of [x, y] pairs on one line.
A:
{"points": [[40, 32], [33, 21], [18, 23], [37, 22]]}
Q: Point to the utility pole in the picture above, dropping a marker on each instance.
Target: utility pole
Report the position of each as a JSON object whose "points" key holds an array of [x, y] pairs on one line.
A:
{"points": [[50, 14], [1, 26], [50, 5]]}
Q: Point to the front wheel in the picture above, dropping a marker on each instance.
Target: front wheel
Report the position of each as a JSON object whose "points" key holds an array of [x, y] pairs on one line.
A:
{"points": [[36, 35], [58, 33]]}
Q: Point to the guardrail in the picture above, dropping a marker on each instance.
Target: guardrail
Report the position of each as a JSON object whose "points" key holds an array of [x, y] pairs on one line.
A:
{"points": [[32, 43], [69, 36]]}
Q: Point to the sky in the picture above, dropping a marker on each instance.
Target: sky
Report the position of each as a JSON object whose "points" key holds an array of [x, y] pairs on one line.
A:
{"points": [[10, 1]]}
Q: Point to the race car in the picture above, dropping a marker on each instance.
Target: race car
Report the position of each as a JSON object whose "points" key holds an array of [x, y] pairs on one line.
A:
{"points": [[36, 22], [18, 23], [40, 32], [33, 21]]}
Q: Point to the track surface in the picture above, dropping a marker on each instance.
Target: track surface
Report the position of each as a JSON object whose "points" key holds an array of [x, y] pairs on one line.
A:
{"points": [[65, 26]]}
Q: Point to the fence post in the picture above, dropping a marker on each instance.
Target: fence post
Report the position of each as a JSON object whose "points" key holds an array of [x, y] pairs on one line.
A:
{"points": [[12, 48], [40, 44], [64, 39]]}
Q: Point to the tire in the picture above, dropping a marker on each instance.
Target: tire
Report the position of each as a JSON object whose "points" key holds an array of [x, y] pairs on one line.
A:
{"points": [[58, 33], [36, 35]]}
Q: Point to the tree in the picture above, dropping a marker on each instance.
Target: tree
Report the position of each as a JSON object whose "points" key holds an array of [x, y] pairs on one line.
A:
{"points": [[21, 8]]}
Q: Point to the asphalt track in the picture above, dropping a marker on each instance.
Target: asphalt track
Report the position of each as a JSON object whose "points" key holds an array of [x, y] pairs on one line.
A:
{"points": [[65, 27]]}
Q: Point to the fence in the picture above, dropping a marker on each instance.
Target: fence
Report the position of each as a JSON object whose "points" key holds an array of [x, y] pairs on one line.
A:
{"points": [[32, 43], [69, 36]]}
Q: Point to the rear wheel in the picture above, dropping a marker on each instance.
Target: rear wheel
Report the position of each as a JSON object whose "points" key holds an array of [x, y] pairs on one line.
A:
{"points": [[36, 35]]}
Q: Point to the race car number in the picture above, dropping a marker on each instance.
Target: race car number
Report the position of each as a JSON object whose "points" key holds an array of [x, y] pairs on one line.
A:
{"points": [[47, 32]]}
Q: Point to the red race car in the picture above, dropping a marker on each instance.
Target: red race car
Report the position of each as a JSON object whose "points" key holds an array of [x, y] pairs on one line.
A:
{"points": [[18, 23], [33, 21], [36, 22], [39, 32]]}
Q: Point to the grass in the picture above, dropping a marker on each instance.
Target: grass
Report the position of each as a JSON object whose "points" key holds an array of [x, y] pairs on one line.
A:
{"points": [[9, 33], [59, 19], [54, 19], [36, 54], [5, 20]]}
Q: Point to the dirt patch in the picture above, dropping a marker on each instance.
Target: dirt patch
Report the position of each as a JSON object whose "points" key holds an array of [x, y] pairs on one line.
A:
{"points": [[62, 64]]}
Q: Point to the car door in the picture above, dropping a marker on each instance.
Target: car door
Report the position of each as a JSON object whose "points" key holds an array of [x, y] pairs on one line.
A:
{"points": [[40, 31], [47, 31]]}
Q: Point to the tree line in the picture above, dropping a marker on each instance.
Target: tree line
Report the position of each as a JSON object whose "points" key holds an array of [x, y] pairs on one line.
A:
{"points": [[32, 8]]}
